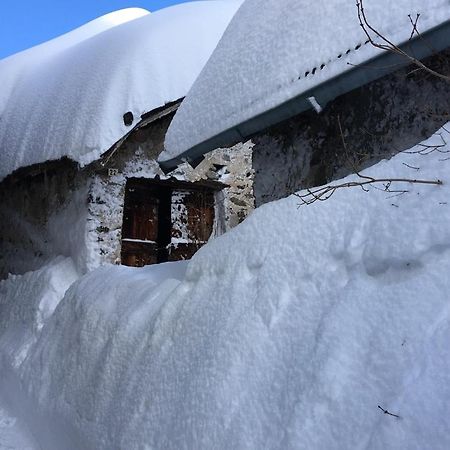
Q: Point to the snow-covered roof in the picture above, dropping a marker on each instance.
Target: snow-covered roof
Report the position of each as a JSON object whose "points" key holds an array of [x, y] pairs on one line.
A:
{"points": [[67, 97], [275, 51]]}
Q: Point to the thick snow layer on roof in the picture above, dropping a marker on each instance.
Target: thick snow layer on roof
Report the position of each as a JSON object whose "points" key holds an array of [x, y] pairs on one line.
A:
{"points": [[289, 332], [268, 48], [67, 97]]}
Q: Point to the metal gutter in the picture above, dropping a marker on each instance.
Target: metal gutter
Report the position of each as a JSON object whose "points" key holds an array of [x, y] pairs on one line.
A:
{"points": [[432, 41]]}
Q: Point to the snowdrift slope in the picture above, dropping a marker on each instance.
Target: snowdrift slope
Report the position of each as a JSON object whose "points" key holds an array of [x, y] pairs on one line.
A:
{"points": [[26, 304], [287, 332]]}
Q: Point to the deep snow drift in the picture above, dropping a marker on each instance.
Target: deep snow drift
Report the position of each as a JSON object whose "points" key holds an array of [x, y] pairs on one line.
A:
{"points": [[12, 435], [275, 50], [67, 97], [287, 332], [26, 303]]}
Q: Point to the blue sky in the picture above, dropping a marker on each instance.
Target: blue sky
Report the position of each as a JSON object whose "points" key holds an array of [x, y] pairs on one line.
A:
{"points": [[24, 23]]}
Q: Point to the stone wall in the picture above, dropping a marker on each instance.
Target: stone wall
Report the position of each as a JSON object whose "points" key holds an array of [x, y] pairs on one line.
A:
{"points": [[57, 208], [378, 120], [35, 208], [136, 158]]}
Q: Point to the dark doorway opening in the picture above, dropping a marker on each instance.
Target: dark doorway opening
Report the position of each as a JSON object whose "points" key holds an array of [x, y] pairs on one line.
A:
{"points": [[166, 220]]}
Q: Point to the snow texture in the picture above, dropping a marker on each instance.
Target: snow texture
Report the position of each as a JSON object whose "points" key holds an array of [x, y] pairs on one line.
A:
{"points": [[287, 332], [275, 50], [67, 97], [26, 303], [12, 434]]}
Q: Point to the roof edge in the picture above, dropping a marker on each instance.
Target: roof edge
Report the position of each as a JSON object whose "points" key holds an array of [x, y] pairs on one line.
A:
{"points": [[431, 42]]}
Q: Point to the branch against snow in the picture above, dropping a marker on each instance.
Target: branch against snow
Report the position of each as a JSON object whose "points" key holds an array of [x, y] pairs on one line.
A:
{"points": [[380, 41], [325, 192], [364, 181], [388, 413]]}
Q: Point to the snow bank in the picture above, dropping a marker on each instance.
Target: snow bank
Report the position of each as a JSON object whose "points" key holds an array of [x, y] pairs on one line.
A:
{"points": [[287, 332], [26, 303], [269, 47], [67, 97], [12, 435]]}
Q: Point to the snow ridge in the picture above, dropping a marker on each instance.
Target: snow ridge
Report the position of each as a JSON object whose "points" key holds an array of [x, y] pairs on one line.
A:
{"points": [[287, 332]]}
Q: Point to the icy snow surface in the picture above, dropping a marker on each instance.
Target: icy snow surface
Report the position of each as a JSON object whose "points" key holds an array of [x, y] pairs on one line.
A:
{"points": [[287, 332], [67, 97], [26, 303], [268, 47]]}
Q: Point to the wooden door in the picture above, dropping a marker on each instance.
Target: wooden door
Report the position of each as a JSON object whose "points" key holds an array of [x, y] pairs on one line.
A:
{"points": [[164, 221], [192, 222], [140, 225]]}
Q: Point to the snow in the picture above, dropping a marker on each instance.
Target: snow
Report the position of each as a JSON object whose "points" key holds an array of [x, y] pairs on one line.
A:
{"points": [[287, 332], [67, 97], [27, 301], [284, 40], [26, 304], [315, 104], [144, 241], [12, 436]]}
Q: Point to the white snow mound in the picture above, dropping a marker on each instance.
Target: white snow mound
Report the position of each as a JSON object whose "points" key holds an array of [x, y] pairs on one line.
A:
{"points": [[264, 55], [67, 97], [288, 332], [26, 303]]}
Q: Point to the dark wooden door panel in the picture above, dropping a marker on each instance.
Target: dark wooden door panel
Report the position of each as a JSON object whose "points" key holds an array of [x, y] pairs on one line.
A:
{"points": [[138, 254], [140, 225], [165, 220], [141, 222], [200, 206], [192, 215], [179, 252], [140, 215]]}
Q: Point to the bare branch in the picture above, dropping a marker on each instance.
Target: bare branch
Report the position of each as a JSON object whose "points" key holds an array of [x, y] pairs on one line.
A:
{"points": [[380, 41], [388, 413], [411, 167], [325, 192], [414, 26]]}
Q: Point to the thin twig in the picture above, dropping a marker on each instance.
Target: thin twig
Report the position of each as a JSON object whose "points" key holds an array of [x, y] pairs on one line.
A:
{"points": [[388, 413], [325, 192], [411, 167], [383, 43]]}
